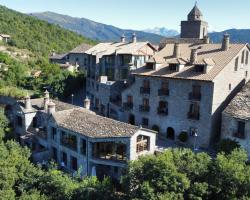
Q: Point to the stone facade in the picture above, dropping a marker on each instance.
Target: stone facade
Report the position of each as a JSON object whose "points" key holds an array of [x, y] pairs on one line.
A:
{"points": [[230, 126], [109, 67], [215, 95], [89, 152], [236, 119]]}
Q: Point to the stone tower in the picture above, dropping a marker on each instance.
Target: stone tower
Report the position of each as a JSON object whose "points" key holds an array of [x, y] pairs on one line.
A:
{"points": [[194, 27]]}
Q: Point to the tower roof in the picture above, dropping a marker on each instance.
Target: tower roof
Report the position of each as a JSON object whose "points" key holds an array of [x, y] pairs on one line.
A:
{"points": [[195, 14]]}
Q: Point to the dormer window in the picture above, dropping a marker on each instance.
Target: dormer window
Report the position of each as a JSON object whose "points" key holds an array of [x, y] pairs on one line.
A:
{"points": [[150, 65], [200, 68], [173, 67]]}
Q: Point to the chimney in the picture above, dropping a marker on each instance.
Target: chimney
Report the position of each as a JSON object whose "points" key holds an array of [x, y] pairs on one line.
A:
{"points": [[176, 50], [27, 102], [206, 40], [123, 38], [51, 107], [87, 103], [46, 100], [193, 56], [134, 38], [225, 42]]}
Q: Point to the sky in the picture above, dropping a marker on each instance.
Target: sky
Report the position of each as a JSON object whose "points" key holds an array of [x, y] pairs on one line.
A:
{"points": [[143, 14]]}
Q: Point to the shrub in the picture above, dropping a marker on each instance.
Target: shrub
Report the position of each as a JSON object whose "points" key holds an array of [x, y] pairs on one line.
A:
{"points": [[227, 145], [183, 137]]}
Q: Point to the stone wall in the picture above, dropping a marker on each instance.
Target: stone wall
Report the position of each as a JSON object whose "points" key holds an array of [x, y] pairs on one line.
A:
{"points": [[178, 107], [229, 128]]}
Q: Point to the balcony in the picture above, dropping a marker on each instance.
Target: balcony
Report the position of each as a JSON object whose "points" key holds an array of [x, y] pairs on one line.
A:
{"points": [[193, 116], [144, 108], [194, 96], [128, 106], [239, 135], [144, 90], [162, 111], [163, 92]]}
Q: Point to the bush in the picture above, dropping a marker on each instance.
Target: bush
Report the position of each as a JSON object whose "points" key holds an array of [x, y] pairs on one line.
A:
{"points": [[13, 92], [183, 137], [227, 145]]}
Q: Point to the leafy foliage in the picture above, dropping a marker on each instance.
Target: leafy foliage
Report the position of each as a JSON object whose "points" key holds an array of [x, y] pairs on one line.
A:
{"points": [[182, 174], [227, 145]]}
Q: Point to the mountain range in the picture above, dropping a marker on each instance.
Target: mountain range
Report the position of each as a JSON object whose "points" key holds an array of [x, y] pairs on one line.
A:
{"points": [[94, 30], [103, 32]]}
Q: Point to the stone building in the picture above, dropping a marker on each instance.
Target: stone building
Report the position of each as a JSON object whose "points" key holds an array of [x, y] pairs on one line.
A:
{"points": [[74, 60], [236, 119], [78, 139], [185, 87], [109, 66]]}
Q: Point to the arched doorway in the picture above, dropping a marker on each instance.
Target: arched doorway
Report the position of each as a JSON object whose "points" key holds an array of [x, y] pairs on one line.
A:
{"points": [[156, 128], [131, 119], [170, 133]]}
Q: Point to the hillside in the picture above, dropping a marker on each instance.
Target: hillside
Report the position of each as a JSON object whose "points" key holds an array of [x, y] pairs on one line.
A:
{"points": [[94, 30], [36, 35]]}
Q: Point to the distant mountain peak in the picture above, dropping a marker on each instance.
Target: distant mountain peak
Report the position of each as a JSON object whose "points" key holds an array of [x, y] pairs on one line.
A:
{"points": [[162, 31]]}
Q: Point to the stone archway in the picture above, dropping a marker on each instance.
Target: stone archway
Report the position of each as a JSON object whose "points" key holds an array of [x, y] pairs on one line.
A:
{"points": [[170, 133], [131, 119]]}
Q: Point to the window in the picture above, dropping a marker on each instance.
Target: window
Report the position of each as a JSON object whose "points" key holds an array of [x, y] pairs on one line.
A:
{"points": [[53, 133], [241, 130], [83, 146], [54, 154], [69, 141], [196, 93], [194, 111], [243, 57], [19, 121], [247, 57], [64, 159], [146, 84], [236, 64], [74, 163], [173, 67], [199, 68], [164, 91], [246, 74], [116, 169], [145, 89], [145, 122], [142, 143], [145, 102], [145, 105], [130, 99], [230, 86], [163, 108]]}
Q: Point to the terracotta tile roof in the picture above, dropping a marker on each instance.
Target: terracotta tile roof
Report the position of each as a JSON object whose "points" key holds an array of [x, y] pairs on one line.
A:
{"points": [[81, 48], [239, 107], [207, 53], [86, 123]]}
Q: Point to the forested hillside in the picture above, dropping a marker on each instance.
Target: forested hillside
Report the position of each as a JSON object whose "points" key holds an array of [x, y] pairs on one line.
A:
{"points": [[36, 35]]}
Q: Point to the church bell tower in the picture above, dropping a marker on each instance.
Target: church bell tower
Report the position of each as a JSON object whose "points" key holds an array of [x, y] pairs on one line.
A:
{"points": [[194, 27]]}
